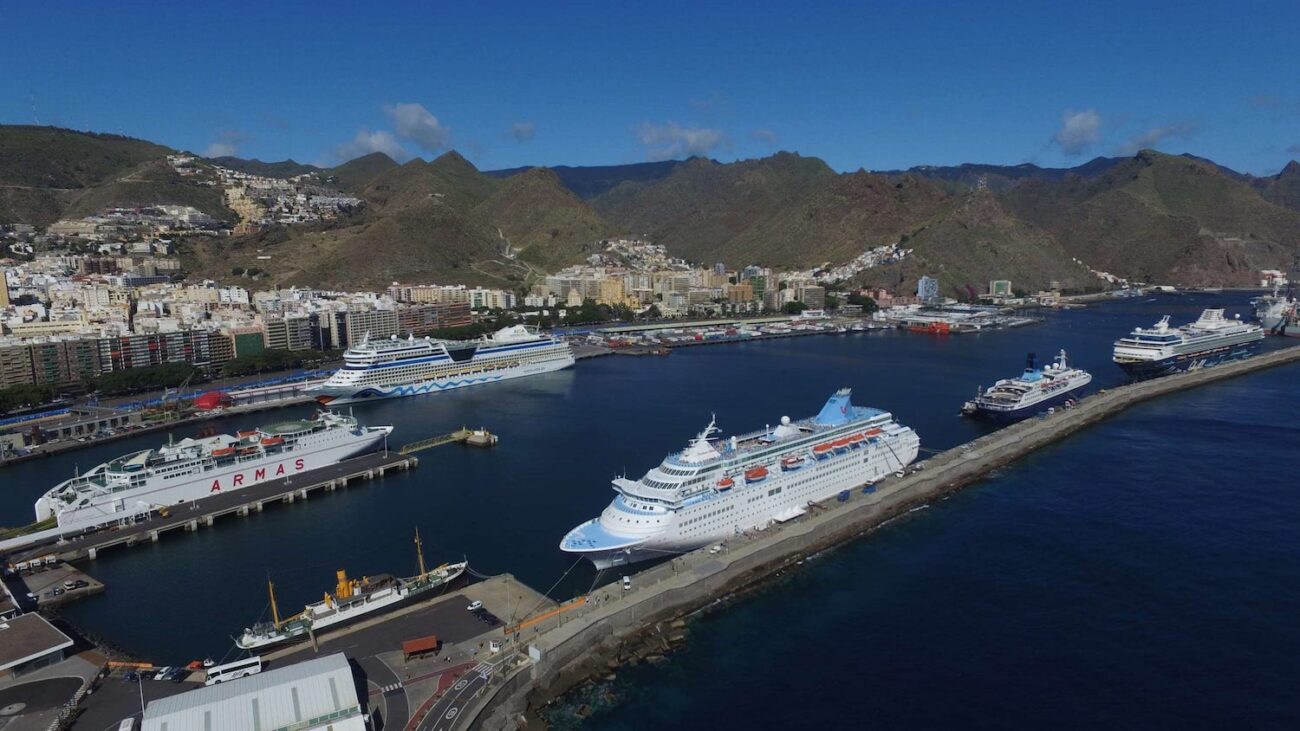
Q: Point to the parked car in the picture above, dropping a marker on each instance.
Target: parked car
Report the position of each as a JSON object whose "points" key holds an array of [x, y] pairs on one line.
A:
{"points": [[80, 584], [475, 605], [627, 583]]}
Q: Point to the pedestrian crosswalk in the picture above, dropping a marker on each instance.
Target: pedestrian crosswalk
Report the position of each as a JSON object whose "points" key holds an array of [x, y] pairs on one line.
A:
{"points": [[391, 688]]}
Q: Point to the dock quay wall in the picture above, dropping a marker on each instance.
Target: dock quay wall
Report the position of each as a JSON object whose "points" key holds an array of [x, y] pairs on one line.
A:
{"points": [[585, 645]]}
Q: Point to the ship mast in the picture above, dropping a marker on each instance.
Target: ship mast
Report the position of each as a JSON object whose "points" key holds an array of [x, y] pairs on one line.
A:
{"points": [[419, 552], [275, 612]]}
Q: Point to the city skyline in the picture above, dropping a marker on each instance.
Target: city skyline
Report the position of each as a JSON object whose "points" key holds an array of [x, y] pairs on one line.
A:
{"points": [[878, 87]]}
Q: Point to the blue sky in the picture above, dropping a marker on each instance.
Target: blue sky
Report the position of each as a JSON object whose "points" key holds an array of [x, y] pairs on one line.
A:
{"points": [[872, 84]]}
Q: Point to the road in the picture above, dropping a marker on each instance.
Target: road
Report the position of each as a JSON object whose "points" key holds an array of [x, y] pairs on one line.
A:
{"points": [[444, 715]]}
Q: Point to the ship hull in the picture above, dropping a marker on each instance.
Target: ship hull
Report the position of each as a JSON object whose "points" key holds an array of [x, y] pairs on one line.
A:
{"points": [[335, 396], [1008, 416], [110, 508], [1143, 370]]}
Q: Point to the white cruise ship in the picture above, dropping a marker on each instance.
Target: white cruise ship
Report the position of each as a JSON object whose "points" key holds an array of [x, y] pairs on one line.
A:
{"points": [[1034, 391], [716, 488], [1148, 352], [191, 469], [389, 368]]}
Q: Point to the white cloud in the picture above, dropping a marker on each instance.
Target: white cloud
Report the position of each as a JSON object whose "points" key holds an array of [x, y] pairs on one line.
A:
{"points": [[666, 141], [1154, 136], [227, 143], [1079, 130], [413, 122], [523, 131], [367, 142], [766, 136], [220, 149]]}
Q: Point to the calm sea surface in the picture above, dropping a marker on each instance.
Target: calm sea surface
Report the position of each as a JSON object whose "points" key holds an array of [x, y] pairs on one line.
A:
{"points": [[1144, 572]]}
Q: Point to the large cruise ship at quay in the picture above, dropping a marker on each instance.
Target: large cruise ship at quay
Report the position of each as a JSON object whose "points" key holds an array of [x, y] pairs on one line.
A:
{"points": [[1148, 352], [138, 483], [717, 488], [376, 369], [1034, 391]]}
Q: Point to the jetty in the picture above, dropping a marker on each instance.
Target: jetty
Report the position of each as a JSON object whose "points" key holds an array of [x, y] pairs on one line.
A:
{"points": [[480, 437], [190, 516], [593, 630]]}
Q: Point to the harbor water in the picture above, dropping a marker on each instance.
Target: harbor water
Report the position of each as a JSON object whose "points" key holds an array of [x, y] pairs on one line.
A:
{"points": [[1117, 578]]}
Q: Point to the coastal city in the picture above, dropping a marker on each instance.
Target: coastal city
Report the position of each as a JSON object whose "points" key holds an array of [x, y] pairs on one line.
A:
{"points": [[377, 391]]}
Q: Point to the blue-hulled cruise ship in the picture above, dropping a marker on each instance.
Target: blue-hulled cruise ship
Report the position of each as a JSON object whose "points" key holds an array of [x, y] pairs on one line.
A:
{"points": [[1148, 352], [389, 368], [1034, 391], [716, 488]]}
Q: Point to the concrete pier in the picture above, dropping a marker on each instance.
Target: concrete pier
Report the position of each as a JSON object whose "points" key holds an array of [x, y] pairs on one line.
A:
{"points": [[566, 653], [190, 516]]}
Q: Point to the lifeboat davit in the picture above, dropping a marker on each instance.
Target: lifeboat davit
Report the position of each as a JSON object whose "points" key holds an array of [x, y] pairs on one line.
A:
{"points": [[725, 484], [790, 464], [822, 451], [758, 474]]}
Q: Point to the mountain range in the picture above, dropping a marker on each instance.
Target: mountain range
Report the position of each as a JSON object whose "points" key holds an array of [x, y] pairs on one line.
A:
{"points": [[1152, 217]]}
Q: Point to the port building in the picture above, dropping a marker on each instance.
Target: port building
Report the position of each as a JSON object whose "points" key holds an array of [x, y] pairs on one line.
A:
{"points": [[317, 694], [29, 642]]}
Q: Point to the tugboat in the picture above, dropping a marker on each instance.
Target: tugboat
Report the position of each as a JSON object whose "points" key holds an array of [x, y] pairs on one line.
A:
{"points": [[1034, 391]]}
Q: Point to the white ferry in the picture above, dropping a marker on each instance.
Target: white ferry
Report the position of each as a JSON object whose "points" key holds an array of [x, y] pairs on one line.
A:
{"points": [[1278, 313], [390, 368], [715, 489], [352, 599], [157, 479], [1032, 392], [1148, 352]]}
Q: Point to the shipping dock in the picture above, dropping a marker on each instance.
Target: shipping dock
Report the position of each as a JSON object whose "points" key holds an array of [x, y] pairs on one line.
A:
{"points": [[189, 516]]}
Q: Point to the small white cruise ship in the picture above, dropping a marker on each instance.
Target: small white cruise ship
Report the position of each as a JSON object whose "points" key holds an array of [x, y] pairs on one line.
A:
{"points": [[716, 488], [1032, 392], [1148, 352], [377, 369], [191, 469]]}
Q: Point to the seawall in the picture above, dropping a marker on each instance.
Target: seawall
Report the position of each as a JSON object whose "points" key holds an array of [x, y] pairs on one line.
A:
{"points": [[581, 646]]}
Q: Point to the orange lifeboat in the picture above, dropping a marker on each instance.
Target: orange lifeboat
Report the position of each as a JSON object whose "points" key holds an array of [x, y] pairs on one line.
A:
{"points": [[873, 432], [789, 464], [856, 440], [272, 441], [840, 444], [223, 452], [725, 484], [247, 434], [822, 451], [758, 474]]}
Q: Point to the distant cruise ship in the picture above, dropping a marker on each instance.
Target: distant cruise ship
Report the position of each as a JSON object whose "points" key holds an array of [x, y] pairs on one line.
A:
{"points": [[190, 469], [1032, 392], [389, 368], [715, 489], [1148, 352]]}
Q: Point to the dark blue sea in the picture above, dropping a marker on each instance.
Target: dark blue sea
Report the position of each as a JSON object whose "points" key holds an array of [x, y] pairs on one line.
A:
{"points": [[1145, 572]]}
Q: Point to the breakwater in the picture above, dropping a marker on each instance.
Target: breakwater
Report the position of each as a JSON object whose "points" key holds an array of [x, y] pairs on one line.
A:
{"points": [[567, 654]]}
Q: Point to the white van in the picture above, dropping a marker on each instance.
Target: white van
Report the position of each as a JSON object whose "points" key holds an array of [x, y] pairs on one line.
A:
{"points": [[232, 670], [127, 724]]}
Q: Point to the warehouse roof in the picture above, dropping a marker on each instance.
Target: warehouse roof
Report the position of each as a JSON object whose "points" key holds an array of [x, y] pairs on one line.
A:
{"points": [[27, 637], [308, 695]]}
